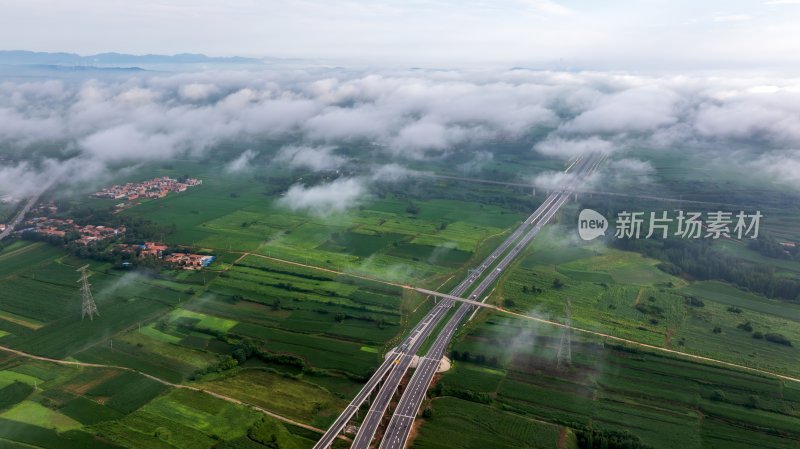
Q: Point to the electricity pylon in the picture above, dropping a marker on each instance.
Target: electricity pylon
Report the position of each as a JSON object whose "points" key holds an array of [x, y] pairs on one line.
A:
{"points": [[88, 307], [564, 356]]}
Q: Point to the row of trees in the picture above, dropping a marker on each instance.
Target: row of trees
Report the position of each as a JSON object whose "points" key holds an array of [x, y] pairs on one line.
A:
{"points": [[479, 359], [700, 260], [768, 246], [608, 439]]}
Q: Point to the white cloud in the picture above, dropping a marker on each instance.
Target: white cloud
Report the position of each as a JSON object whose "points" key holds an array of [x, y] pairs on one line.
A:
{"points": [[197, 91], [325, 199], [478, 161], [314, 158], [555, 180], [638, 109], [127, 143], [391, 173], [567, 148], [241, 163], [412, 114], [780, 167]]}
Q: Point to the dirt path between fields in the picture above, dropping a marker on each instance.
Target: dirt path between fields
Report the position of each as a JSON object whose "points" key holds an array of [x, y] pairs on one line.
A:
{"points": [[169, 384], [656, 348], [554, 323], [562, 438], [639, 297]]}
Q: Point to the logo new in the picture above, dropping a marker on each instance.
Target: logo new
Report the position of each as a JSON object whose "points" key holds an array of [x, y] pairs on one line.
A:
{"points": [[591, 224]]}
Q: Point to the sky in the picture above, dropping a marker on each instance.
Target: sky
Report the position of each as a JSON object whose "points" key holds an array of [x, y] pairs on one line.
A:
{"points": [[561, 34], [414, 79]]}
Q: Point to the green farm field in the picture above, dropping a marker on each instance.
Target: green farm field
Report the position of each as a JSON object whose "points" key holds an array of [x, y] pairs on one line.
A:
{"points": [[625, 295], [665, 401], [54, 406], [299, 341]]}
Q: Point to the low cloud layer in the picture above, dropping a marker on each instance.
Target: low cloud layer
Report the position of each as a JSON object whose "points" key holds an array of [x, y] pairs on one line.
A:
{"points": [[406, 115]]}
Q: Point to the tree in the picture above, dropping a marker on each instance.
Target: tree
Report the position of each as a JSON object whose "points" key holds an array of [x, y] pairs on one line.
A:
{"points": [[558, 283], [427, 413]]}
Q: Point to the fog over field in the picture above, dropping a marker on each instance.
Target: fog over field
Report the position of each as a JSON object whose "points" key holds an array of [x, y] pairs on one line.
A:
{"points": [[106, 123]]}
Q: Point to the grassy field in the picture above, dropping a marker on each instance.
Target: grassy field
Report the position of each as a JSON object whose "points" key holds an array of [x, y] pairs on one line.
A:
{"points": [[294, 398], [625, 295]]}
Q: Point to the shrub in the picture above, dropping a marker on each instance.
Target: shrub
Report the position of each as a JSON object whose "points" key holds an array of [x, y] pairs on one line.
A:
{"points": [[694, 302], [778, 338]]}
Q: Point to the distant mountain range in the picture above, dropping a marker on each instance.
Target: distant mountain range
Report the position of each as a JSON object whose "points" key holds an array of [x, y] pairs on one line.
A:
{"points": [[22, 57]]}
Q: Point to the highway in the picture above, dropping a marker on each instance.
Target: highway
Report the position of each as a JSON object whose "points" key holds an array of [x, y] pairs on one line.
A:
{"points": [[399, 360], [399, 427], [25, 209], [420, 332], [411, 344], [378, 408]]}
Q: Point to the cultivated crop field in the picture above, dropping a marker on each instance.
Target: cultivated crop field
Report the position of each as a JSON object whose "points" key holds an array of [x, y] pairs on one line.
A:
{"points": [[406, 234], [40, 303], [612, 387], [299, 309], [54, 406]]}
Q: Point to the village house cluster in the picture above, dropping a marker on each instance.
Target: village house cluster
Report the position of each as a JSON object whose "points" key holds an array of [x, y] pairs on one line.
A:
{"points": [[186, 261], [153, 188], [57, 227], [189, 261]]}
